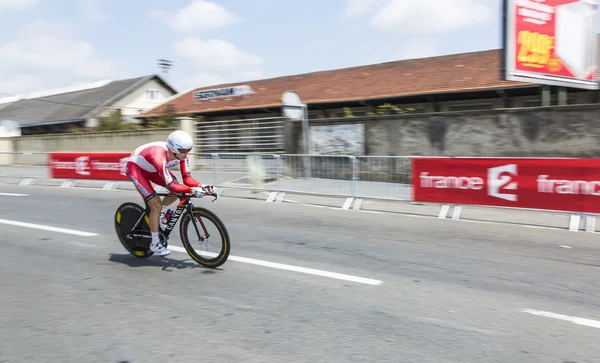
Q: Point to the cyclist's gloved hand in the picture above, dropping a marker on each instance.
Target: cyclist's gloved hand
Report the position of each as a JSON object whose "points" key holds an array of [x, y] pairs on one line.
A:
{"points": [[198, 192]]}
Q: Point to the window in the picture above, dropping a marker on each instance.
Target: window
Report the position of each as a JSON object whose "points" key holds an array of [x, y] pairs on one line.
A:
{"points": [[152, 94]]}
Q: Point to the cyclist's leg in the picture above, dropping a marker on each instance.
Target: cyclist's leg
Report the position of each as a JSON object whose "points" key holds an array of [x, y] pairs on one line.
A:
{"points": [[166, 201], [141, 180]]}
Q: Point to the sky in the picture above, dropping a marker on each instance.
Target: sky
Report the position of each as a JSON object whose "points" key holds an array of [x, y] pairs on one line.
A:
{"points": [[47, 44]]}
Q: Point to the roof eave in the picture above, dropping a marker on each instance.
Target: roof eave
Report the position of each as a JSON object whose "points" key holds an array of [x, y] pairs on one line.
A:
{"points": [[334, 101], [117, 97], [127, 91], [48, 123]]}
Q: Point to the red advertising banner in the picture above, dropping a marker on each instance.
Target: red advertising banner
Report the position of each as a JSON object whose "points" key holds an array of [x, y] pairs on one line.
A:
{"points": [[554, 39], [104, 166], [553, 184]]}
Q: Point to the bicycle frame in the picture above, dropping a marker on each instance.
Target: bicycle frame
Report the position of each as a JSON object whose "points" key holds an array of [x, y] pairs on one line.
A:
{"points": [[184, 204]]}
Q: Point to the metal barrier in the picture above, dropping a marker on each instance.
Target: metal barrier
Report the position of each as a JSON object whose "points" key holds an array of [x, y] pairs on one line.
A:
{"points": [[350, 177], [375, 177]]}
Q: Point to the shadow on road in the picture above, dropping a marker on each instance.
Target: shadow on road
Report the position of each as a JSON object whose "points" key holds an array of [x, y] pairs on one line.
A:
{"points": [[166, 264]]}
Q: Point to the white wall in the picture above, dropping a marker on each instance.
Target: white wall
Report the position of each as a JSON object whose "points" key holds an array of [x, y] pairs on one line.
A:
{"points": [[6, 146], [138, 101]]}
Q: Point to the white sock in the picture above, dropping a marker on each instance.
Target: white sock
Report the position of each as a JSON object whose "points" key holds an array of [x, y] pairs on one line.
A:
{"points": [[155, 239]]}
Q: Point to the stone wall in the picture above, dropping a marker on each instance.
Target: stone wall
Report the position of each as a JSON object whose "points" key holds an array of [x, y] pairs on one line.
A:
{"points": [[555, 131], [107, 141]]}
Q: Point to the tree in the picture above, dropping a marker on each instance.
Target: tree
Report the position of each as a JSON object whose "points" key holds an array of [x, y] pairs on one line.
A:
{"points": [[114, 122], [167, 119]]}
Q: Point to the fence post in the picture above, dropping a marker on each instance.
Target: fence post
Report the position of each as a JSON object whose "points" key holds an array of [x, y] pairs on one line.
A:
{"points": [[215, 167], [278, 162], [353, 169]]}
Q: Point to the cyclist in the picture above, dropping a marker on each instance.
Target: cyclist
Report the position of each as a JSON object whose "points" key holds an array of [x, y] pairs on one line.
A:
{"points": [[150, 163]]}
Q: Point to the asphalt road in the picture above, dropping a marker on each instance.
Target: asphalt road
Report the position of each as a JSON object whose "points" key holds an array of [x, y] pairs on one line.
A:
{"points": [[439, 290]]}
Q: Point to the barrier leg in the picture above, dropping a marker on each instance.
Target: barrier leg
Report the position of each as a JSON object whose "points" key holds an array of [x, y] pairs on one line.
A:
{"points": [[68, 184], [347, 203], [590, 223], [27, 181], [280, 197], [109, 185], [456, 212], [574, 222], [272, 197], [357, 204], [444, 211]]}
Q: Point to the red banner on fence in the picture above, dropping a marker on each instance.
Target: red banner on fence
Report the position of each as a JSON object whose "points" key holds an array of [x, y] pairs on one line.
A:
{"points": [[104, 166], [553, 184]]}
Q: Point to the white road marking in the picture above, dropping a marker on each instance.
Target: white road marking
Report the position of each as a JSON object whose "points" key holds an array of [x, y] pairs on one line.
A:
{"points": [[572, 319], [316, 206], [310, 271], [565, 246], [98, 188], [14, 195], [281, 266], [47, 228]]}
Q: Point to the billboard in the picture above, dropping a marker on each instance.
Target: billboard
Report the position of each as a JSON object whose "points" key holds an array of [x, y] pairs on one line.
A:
{"points": [[233, 91], [338, 139], [550, 184], [103, 166], [551, 42]]}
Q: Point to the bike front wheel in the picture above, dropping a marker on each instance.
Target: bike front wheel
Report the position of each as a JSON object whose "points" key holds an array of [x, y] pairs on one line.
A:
{"points": [[202, 230]]}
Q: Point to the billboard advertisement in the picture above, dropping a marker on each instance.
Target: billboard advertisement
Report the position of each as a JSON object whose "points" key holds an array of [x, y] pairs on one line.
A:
{"points": [[552, 42], [337, 139], [550, 184], [104, 166]]}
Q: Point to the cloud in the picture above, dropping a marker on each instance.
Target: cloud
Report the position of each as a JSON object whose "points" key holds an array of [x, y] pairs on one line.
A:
{"points": [[17, 84], [47, 51], [214, 61], [218, 60], [17, 4], [420, 17], [198, 15], [416, 48], [357, 7], [215, 54], [92, 11]]}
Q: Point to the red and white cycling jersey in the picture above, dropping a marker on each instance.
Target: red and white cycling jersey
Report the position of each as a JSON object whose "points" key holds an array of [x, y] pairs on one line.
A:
{"points": [[152, 158]]}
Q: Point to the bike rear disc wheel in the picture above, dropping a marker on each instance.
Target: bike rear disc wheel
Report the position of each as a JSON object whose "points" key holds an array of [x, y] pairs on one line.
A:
{"points": [[219, 236], [125, 218]]}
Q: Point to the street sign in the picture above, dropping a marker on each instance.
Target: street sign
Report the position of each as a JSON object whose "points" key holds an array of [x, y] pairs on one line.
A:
{"points": [[293, 107]]}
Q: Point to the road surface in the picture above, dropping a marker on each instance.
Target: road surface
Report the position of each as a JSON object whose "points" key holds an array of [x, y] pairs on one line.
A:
{"points": [[304, 284]]}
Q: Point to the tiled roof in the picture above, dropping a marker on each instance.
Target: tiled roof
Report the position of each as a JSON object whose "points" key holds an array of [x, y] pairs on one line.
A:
{"points": [[442, 74]]}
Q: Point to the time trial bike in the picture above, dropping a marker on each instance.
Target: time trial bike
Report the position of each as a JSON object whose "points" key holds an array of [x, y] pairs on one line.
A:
{"points": [[132, 224]]}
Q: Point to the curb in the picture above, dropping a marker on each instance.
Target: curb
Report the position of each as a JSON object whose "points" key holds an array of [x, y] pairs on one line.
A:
{"points": [[577, 222]]}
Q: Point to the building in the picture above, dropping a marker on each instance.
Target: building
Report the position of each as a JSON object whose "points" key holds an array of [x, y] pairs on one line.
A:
{"points": [[246, 116], [59, 110]]}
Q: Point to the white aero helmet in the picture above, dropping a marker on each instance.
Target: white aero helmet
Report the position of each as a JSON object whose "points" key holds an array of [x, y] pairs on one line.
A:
{"points": [[180, 142]]}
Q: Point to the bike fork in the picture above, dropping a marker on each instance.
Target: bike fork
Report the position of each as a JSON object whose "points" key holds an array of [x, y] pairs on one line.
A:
{"points": [[195, 222]]}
